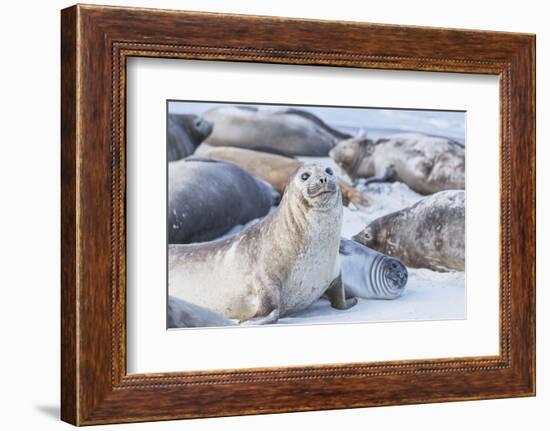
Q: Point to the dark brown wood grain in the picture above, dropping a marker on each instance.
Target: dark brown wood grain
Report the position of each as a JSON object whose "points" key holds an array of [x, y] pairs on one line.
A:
{"points": [[95, 43]]}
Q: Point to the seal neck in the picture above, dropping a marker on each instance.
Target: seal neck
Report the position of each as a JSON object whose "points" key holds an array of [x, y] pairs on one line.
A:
{"points": [[353, 168]]}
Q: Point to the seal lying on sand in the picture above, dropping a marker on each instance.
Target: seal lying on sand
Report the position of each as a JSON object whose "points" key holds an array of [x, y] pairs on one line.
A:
{"points": [[185, 133], [276, 170], [275, 267], [429, 234], [285, 132], [369, 274], [181, 314], [206, 198], [427, 164]]}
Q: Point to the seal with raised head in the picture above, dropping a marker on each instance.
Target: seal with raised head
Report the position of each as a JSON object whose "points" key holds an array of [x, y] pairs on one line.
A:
{"points": [[207, 198], [429, 234], [277, 170], [427, 164], [185, 133], [285, 131], [369, 274], [274, 268]]}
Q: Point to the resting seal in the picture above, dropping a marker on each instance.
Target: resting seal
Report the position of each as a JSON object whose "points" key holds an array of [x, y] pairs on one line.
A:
{"points": [[206, 198], [276, 170], [185, 133], [429, 234], [274, 268], [285, 132], [369, 274], [427, 164], [181, 314]]}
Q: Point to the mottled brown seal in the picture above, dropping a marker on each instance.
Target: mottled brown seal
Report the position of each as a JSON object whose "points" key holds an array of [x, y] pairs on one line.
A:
{"points": [[427, 164], [429, 234], [276, 170], [274, 268], [283, 131]]}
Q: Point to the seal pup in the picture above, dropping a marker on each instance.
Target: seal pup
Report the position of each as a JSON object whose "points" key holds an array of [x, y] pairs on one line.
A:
{"points": [[182, 314], [207, 197], [429, 234], [427, 164], [285, 131], [185, 133], [274, 268], [369, 274], [277, 170]]}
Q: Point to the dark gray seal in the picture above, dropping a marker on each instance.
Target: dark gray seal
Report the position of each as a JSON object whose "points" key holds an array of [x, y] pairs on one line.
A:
{"points": [[429, 234], [274, 268], [290, 132], [427, 164], [369, 274], [206, 198], [185, 134]]}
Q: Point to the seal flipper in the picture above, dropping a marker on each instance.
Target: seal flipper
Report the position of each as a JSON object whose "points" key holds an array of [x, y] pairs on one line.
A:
{"points": [[270, 301], [389, 176], [351, 195], [272, 317], [337, 295]]}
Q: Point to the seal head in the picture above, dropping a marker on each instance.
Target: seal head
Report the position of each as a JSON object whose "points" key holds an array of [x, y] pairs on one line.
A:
{"points": [[370, 274], [349, 154], [316, 186]]}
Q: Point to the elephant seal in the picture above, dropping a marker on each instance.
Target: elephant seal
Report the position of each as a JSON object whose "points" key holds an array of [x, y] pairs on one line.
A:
{"points": [[185, 134], [274, 268], [285, 132], [429, 234], [277, 170], [427, 164], [206, 198], [369, 274], [182, 314]]}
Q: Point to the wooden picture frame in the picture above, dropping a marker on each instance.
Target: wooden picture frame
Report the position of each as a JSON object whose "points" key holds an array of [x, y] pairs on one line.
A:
{"points": [[96, 41]]}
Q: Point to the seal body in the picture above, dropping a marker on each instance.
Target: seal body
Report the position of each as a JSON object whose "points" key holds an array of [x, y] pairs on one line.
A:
{"points": [[429, 234], [427, 164], [285, 132], [369, 274], [275, 267], [182, 314], [206, 198], [277, 170], [185, 134]]}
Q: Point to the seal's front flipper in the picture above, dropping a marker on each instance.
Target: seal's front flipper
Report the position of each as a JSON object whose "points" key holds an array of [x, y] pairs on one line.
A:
{"points": [[262, 320], [337, 295], [388, 176]]}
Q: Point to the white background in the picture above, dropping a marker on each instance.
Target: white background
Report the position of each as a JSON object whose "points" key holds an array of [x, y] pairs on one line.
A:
{"points": [[153, 349], [29, 229]]}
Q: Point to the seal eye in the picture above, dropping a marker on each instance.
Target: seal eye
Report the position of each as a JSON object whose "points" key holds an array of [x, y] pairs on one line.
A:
{"points": [[305, 176], [329, 171]]}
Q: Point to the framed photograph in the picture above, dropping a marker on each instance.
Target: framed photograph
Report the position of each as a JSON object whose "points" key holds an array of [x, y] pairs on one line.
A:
{"points": [[264, 208]]}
